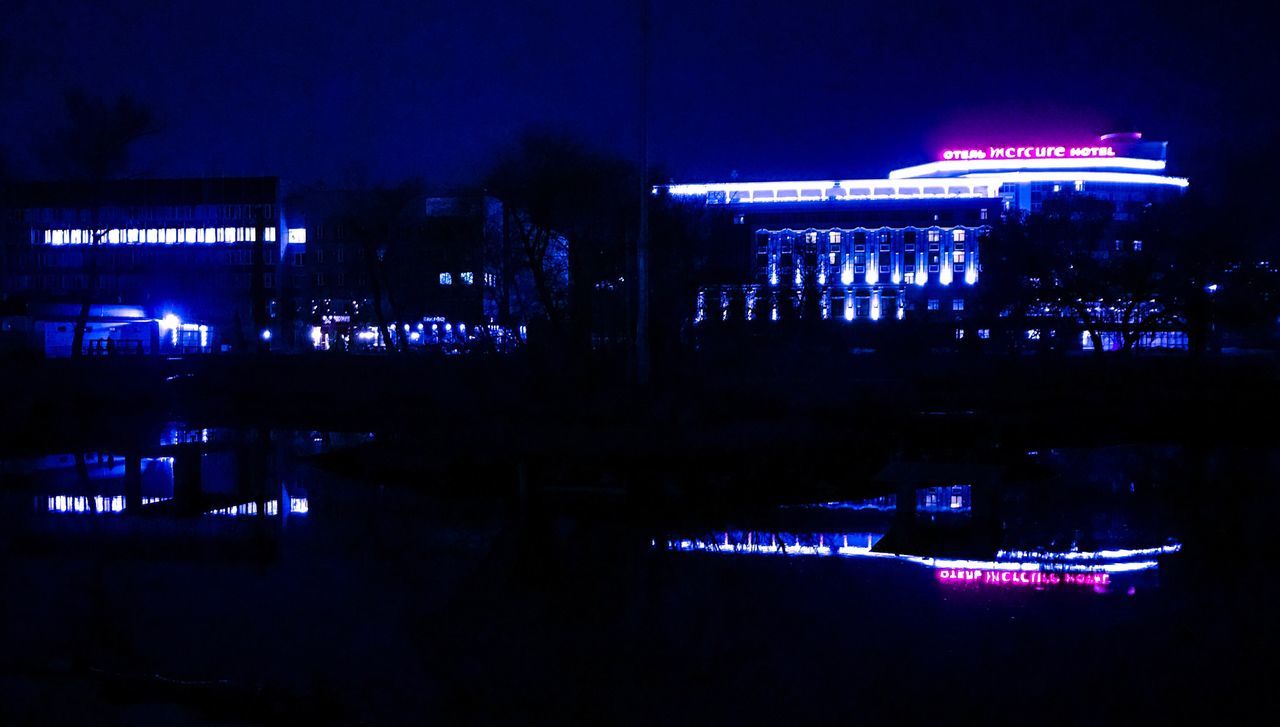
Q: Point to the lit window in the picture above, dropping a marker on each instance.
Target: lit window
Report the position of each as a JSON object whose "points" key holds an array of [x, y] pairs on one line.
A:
{"points": [[133, 234], [957, 256], [468, 278], [113, 237], [935, 235], [153, 235], [229, 233], [984, 333], [957, 304], [170, 236], [833, 238], [446, 278], [1137, 245], [957, 235], [191, 234], [1033, 334], [210, 234], [933, 304], [269, 234], [1079, 185], [959, 334], [297, 234], [982, 214]]}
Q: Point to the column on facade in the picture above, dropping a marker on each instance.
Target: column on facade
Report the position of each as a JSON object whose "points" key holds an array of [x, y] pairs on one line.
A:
{"points": [[971, 258], [946, 246]]}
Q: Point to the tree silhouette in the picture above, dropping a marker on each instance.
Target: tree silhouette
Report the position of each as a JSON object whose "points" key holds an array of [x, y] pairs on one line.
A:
{"points": [[93, 146]]}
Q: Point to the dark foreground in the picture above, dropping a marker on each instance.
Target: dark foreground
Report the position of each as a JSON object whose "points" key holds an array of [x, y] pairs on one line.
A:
{"points": [[428, 582]]}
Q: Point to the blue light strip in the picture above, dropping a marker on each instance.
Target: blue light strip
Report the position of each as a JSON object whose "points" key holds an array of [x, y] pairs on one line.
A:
{"points": [[1015, 165], [1034, 562], [839, 189], [1069, 177]]}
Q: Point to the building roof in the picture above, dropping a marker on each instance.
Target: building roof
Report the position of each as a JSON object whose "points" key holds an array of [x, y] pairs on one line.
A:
{"points": [[142, 192]]}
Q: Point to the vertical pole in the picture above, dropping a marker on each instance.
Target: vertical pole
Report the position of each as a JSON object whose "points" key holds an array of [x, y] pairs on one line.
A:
{"points": [[642, 236]]}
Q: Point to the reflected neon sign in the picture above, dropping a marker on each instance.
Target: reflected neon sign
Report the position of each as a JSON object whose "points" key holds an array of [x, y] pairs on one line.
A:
{"points": [[1021, 578], [1030, 152]]}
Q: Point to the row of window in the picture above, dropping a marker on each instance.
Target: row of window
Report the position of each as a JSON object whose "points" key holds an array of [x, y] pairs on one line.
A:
{"points": [[165, 236], [469, 278]]}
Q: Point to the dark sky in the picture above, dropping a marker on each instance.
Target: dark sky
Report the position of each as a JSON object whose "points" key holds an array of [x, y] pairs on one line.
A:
{"points": [[345, 91]]}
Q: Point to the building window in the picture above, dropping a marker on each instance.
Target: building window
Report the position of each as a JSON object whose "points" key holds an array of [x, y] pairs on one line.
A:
{"points": [[935, 235], [446, 278], [268, 280], [957, 235], [468, 278], [982, 213], [984, 333], [1137, 245], [957, 256], [959, 334], [933, 304], [297, 259], [957, 304]]}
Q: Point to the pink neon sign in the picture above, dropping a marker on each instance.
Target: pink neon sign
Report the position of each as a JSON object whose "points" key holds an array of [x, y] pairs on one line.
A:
{"points": [[1030, 152], [1021, 578]]}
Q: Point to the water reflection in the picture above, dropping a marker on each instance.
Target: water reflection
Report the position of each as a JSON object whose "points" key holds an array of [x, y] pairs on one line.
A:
{"points": [[191, 472], [945, 532]]}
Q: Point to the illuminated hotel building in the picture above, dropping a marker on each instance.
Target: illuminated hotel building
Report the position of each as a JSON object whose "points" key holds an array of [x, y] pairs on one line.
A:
{"points": [[867, 249], [175, 265]]}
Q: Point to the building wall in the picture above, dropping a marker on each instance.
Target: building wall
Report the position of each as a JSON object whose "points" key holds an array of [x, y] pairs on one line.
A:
{"points": [[207, 251]]}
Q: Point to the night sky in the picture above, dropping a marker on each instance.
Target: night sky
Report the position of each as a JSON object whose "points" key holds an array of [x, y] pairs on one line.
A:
{"points": [[349, 92]]}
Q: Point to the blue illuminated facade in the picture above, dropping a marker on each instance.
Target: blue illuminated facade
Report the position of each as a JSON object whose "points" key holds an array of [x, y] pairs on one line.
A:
{"points": [[168, 265], [911, 244]]}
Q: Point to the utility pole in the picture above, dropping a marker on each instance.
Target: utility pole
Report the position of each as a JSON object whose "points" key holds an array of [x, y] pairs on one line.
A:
{"points": [[642, 233]]}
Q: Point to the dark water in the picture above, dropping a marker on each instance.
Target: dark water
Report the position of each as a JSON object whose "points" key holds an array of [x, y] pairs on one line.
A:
{"points": [[238, 578]]}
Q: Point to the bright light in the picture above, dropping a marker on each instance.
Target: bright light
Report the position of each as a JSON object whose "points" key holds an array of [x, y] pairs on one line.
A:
{"points": [[266, 334], [846, 275], [170, 322], [316, 336], [990, 165], [810, 191], [970, 276], [1107, 177]]}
